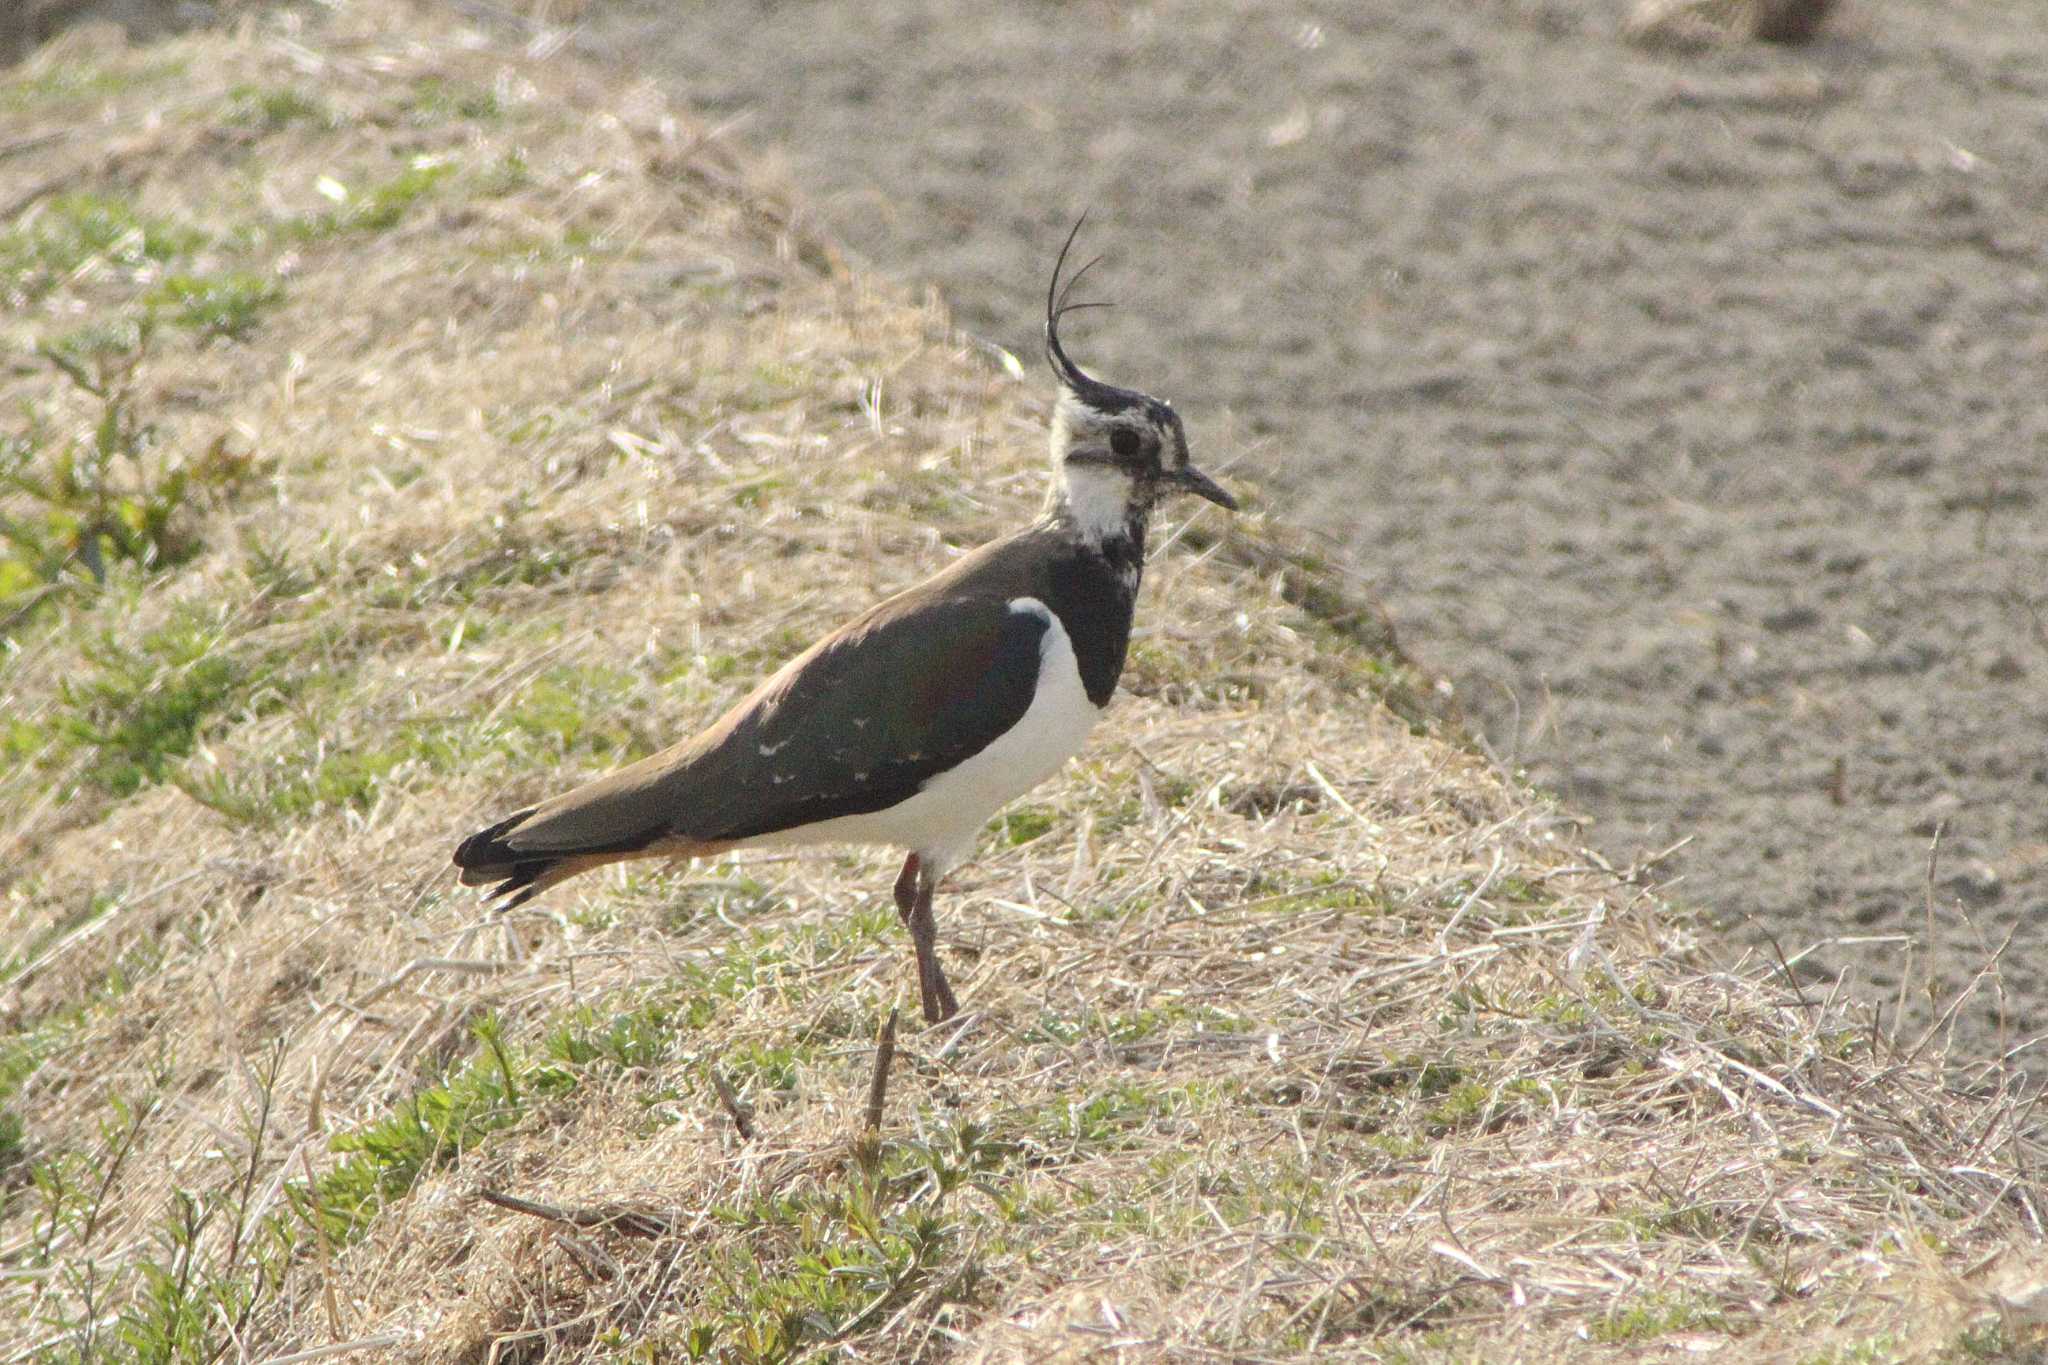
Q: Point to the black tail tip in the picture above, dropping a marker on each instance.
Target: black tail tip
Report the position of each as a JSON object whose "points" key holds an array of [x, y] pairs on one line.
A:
{"points": [[485, 857]]}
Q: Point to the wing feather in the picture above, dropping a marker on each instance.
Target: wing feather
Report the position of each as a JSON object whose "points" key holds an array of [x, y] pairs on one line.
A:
{"points": [[859, 722]]}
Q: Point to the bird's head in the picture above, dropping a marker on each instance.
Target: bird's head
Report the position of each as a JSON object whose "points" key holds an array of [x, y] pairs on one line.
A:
{"points": [[1115, 452]]}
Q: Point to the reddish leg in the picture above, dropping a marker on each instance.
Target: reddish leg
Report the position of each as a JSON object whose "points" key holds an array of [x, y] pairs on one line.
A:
{"points": [[914, 904], [906, 887]]}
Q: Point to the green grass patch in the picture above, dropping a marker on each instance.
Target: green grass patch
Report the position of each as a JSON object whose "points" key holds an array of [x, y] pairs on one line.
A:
{"points": [[846, 1257], [67, 81], [814, 1264], [87, 506], [1113, 1117], [378, 208], [1331, 894], [315, 780], [271, 109], [517, 561], [575, 710], [75, 229], [1025, 823], [1882, 1349], [568, 713], [767, 1066], [435, 101], [1657, 1315], [491, 1091], [431, 1129], [210, 1264], [228, 305], [640, 1037], [534, 248], [1695, 1222], [1470, 1104], [1133, 1026], [140, 708], [508, 175]]}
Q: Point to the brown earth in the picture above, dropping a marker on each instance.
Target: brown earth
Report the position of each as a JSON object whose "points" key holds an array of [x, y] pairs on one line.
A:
{"points": [[1686, 410]]}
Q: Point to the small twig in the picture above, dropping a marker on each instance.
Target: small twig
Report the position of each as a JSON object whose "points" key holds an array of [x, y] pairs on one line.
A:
{"points": [[1337, 797], [338, 1348], [1946, 1018], [18, 145], [878, 1083], [1927, 901], [321, 1248], [1784, 963], [467, 966], [741, 1118], [1638, 871], [634, 1221], [596, 1264], [1443, 935]]}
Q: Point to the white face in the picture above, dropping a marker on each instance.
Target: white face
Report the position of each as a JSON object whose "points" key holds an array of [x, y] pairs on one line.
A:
{"points": [[1109, 463]]}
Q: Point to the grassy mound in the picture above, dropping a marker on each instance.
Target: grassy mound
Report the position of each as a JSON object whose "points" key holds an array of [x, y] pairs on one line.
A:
{"points": [[400, 429]]}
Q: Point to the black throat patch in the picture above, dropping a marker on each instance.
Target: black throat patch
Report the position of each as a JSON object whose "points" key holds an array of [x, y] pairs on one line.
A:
{"points": [[1093, 590]]}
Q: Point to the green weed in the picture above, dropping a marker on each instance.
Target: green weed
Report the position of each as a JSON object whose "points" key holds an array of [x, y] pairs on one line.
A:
{"points": [[1110, 1118], [379, 208], [272, 109], [436, 101], [1025, 823], [430, 1130], [1658, 1315], [1694, 1221], [13, 1149], [211, 306], [1132, 1026], [823, 1261], [488, 1093], [88, 504], [509, 174], [644, 1036], [212, 1263], [1874, 1350], [75, 230], [64, 81], [295, 789], [766, 1067], [572, 710], [141, 708]]}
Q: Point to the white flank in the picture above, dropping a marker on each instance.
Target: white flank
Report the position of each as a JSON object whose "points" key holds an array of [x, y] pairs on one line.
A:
{"points": [[941, 821]]}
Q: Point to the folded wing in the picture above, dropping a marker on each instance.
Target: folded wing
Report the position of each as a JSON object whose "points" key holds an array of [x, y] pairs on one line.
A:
{"points": [[858, 723]]}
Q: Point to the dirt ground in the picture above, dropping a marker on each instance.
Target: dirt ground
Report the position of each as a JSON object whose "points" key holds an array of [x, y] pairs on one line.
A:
{"points": [[1689, 411]]}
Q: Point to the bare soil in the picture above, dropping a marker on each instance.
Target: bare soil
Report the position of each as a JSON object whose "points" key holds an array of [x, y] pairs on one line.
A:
{"points": [[1686, 410]]}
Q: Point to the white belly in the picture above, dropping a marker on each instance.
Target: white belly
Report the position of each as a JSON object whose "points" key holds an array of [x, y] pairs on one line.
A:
{"points": [[940, 822]]}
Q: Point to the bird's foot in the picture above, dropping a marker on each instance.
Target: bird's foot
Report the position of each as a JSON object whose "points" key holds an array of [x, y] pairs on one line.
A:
{"points": [[939, 1004]]}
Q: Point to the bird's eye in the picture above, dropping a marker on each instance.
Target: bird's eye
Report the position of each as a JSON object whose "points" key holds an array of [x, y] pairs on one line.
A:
{"points": [[1124, 441]]}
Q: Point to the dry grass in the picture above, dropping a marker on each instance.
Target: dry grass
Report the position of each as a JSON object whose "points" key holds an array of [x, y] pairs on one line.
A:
{"points": [[1293, 1030]]}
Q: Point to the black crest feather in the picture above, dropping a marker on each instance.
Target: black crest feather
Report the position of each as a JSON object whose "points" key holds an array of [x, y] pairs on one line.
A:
{"points": [[1092, 391]]}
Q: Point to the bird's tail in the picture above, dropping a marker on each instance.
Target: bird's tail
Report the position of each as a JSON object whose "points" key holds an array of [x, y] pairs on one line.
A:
{"points": [[488, 856], [485, 857]]}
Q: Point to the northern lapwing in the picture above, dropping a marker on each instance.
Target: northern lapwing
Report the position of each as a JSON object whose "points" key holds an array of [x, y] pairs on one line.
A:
{"points": [[912, 724]]}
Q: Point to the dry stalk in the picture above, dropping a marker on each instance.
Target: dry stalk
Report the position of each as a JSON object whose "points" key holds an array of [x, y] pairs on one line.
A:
{"points": [[742, 1117]]}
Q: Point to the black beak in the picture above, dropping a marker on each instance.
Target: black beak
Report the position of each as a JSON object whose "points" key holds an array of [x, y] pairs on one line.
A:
{"points": [[1188, 479]]}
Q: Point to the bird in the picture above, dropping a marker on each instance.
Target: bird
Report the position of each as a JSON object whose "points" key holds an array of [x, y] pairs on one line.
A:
{"points": [[911, 725]]}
